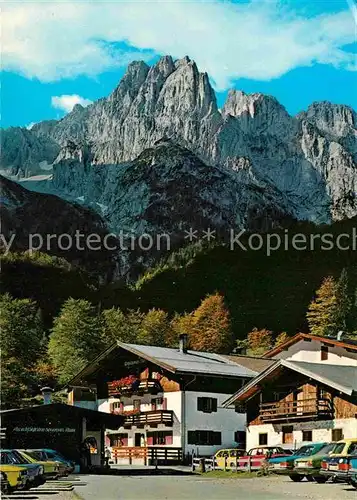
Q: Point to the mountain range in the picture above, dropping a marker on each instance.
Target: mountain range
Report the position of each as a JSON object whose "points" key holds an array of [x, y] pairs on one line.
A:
{"points": [[158, 155]]}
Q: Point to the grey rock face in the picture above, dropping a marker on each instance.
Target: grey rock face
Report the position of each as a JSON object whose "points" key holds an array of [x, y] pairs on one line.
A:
{"points": [[308, 161], [23, 153]]}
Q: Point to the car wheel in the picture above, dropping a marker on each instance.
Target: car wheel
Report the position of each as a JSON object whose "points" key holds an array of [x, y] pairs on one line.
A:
{"points": [[354, 483], [296, 478], [5, 488], [320, 479], [309, 478], [27, 486]]}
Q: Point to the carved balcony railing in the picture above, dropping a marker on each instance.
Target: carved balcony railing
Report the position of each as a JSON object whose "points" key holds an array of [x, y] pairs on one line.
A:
{"points": [[137, 387], [312, 408], [151, 418]]}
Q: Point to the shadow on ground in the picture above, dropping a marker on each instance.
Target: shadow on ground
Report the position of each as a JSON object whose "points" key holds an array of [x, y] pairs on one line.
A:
{"points": [[138, 471]]}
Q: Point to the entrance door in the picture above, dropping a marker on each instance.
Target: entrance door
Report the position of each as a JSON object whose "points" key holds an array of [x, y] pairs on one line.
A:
{"points": [[138, 439], [288, 437]]}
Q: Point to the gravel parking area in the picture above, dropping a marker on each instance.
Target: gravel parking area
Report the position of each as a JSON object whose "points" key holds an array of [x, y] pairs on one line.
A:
{"points": [[194, 487]]}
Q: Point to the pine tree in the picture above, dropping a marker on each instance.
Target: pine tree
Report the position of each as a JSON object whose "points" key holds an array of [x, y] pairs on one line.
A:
{"points": [[21, 343], [352, 320], [322, 312], [75, 338], [328, 313], [343, 301]]}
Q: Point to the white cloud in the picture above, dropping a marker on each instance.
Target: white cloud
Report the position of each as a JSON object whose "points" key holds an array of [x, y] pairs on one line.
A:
{"points": [[228, 40], [67, 102]]}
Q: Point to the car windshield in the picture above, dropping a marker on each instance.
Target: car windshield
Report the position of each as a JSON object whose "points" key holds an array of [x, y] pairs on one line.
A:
{"points": [[37, 455], [55, 454], [19, 458], [352, 449], [12, 458], [338, 448], [325, 450], [304, 450]]}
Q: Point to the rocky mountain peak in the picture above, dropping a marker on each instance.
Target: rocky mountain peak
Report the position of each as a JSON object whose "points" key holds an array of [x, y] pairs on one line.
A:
{"points": [[131, 82], [77, 108], [182, 62], [307, 162], [336, 119], [258, 113]]}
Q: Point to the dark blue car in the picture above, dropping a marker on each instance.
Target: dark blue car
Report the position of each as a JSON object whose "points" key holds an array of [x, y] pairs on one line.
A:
{"points": [[352, 472]]}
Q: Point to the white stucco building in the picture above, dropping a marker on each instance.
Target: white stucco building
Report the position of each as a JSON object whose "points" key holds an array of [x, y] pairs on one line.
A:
{"points": [[171, 398], [308, 394]]}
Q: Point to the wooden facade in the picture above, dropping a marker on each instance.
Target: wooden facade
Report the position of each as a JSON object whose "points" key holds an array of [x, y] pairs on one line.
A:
{"points": [[292, 397]]}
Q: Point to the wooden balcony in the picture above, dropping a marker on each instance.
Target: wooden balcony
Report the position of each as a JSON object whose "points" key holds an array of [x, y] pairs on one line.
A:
{"points": [[151, 418], [304, 409], [141, 387]]}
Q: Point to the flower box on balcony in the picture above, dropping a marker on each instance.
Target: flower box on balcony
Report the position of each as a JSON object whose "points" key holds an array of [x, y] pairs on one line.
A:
{"points": [[133, 385], [123, 385]]}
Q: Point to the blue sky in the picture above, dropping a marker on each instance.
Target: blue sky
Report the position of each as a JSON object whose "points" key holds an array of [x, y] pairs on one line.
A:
{"points": [[57, 54]]}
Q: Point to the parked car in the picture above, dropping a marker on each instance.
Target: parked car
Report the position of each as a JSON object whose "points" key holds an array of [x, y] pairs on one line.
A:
{"points": [[285, 465], [336, 466], [227, 457], [51, 469], [309, 467], [352, 473], [256, 457], [48, 454], [36, 475], [17, 477]]}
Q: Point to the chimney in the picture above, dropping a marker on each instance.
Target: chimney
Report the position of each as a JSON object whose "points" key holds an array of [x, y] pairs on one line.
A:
{"points": [[183, 343], [47, 395]]}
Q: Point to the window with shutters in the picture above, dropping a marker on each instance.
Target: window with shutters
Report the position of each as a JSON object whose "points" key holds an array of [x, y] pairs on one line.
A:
{"points": [[159, 438], [207, 405], [263, 439], [136, 404], [307, 435], [157, 403], [117, 440], [115, 406], [204, 438], [240, 437]]}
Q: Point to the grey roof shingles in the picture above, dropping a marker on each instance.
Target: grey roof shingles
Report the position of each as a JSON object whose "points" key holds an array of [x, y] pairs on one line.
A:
{"points": [[193, 361], [340, 377]]}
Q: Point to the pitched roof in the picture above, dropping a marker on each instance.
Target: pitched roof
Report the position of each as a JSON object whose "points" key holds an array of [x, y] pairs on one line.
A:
{"points": [[251, 362], [346, 343], [339, 377], [195, 362], [191, 361]]}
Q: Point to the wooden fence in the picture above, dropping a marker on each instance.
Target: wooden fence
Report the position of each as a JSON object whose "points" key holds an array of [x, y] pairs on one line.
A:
{"points": [[150, 455]]}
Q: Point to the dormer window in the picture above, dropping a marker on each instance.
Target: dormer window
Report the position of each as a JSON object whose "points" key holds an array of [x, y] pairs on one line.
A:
{"points": [[324, 353]]}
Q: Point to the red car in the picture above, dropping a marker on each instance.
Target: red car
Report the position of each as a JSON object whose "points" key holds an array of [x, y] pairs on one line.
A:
{"points": [[257, 456]]}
